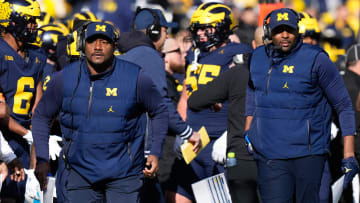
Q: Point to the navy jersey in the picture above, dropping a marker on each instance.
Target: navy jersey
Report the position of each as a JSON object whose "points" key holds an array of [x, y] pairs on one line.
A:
{"points": [[209, 66], [46, 75], [18, 78]]}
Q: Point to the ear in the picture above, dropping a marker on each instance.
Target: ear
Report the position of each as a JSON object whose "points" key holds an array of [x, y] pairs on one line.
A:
{"points": [[115, 45]]}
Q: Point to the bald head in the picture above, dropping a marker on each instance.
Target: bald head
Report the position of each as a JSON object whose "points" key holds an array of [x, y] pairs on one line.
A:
{"points": [[258, 37], [170, 44]]}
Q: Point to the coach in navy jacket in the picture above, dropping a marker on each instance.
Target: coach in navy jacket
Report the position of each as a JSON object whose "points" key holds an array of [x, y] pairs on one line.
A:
{"points": [[293, 87], [100, 100]]}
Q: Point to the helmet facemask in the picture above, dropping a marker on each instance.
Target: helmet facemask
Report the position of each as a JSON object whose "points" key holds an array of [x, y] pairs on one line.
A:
{"points": [[23, 27], [211, 15]]}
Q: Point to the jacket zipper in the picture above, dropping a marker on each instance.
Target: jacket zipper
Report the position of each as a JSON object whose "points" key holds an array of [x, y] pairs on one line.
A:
{"points": [[90, 98], [268, 79], [309, 138]]}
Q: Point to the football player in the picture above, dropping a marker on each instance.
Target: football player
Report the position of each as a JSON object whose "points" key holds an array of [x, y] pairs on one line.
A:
{"points": [[20, 76], [210, 25]]}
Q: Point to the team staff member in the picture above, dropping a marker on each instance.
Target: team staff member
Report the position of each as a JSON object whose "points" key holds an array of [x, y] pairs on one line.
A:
{"points": [[100, 100], [211, 25], [20, 80], [143, 46], [290, 100]]}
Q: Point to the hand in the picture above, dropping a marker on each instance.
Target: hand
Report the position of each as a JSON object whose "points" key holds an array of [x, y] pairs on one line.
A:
{"points": [[216, 107], [218, 153], [196, 141], [151, 166], [3, 171], [54, 147], [16, 169], [350, 168], [28, 137], [41, 172]]}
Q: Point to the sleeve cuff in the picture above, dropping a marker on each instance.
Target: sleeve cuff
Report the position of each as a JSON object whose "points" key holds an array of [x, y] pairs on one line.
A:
{"points": [[186, 134]]}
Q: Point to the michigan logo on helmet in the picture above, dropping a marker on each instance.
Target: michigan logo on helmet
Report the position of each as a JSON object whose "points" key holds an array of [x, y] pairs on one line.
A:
{"points": [[308, 26], [85, 16], [45, 18], [214, 15], [48, 36], [22, 13]]}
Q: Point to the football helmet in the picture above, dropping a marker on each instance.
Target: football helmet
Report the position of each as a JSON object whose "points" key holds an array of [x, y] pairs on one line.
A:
{"points": [[48, 37], [16, 15], [308, 26], [85, 16], [215, 15], [45, 18]]}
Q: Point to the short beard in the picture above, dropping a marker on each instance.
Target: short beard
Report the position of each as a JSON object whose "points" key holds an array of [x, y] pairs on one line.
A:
{"points": [[102, 66]]}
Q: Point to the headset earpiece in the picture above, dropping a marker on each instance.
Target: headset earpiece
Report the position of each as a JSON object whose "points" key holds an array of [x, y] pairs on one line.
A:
{"points": [[154, 29], [80, 44], [267, 29]]}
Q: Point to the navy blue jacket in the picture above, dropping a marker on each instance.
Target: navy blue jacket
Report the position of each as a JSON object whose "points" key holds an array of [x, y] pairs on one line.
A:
{"points": [[291, 102], [99, 115], [139, 49]]}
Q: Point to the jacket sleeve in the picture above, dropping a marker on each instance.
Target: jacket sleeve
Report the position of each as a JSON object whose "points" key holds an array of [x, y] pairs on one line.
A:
{"points": [[47, 109], [153, 102], [327, 76], [213, 92]]}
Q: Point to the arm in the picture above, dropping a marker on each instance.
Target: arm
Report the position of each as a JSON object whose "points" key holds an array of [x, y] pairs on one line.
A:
{"points": [[182, 104], [150, 98], [333, 85], [47, 108], [213, 92], [16, 169]]}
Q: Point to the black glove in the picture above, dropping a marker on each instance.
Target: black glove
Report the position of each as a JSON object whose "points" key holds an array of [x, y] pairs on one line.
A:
{"points": [[41, 171]]}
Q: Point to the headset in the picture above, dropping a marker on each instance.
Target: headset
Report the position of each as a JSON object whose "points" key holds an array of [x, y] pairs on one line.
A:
{"points": [[266, 26], [80, 44], [153, 30]]}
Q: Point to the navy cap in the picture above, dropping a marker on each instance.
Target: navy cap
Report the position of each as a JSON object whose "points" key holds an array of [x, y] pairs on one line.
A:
{"points": [[145, 18], [283, 16], [100, 28]]}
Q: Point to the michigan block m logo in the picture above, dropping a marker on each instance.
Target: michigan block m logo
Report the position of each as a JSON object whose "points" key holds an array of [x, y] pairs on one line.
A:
{"points": [[101, 28], [282, 16], [111, 92], [288, 69]]}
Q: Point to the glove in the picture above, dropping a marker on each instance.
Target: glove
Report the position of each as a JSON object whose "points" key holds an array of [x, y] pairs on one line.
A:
{"points": [[41, 171], [28, 137], [54, 147], [218, 153], [350, 168], [32, 192], [334, 130]]}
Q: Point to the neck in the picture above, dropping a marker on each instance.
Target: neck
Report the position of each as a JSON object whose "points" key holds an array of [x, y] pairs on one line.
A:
{"points": [[99, 68], [13, 43], [355, 68]]}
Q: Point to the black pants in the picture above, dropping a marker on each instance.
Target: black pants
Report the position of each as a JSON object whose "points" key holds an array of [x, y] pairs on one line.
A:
{"points": [[242, 180]]}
